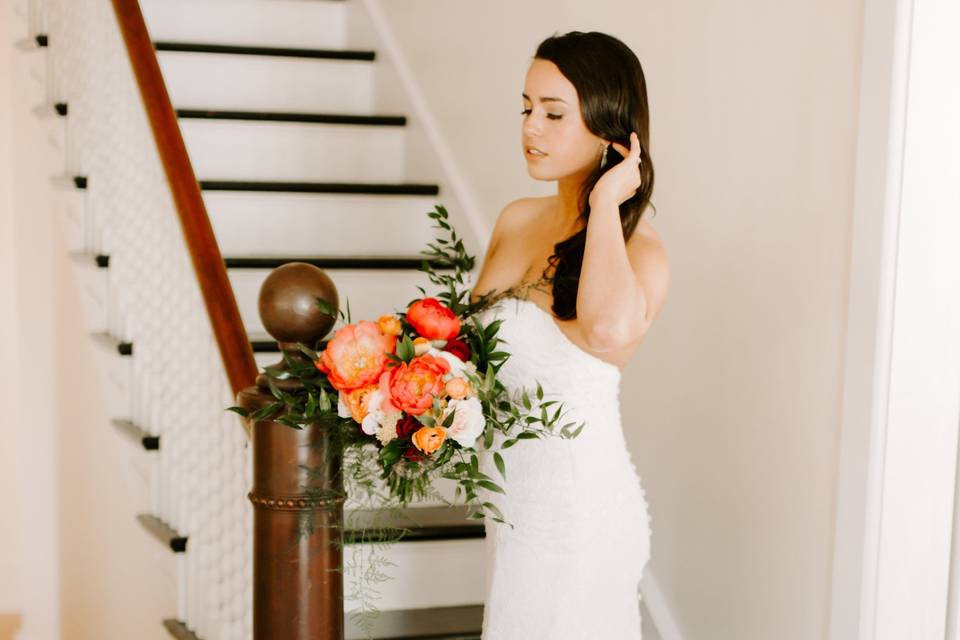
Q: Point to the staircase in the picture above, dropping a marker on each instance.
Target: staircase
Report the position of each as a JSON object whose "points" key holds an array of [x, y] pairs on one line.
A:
{"points": [[305, 148], [279, 110]]}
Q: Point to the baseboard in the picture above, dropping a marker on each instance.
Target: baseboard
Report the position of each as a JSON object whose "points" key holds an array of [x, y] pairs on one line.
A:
{"points": [[659, 608]]}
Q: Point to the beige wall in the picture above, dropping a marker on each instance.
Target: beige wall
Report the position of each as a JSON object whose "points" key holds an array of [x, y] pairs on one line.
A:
{"points": [[732, 405], [72, 557]]}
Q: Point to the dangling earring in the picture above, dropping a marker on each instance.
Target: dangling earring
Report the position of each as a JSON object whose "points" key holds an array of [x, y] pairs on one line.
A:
{"points": [[603, 160]]}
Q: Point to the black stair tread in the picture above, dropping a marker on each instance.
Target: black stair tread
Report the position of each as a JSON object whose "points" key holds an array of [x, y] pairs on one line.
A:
{"points": [[163, 532], [32, 42], [398, 188], [69, 182], [113, 344], [425, 523], [334, 262], [57, 108], [463, 622], [288, 52], [284, 116], [128, 428], [102, 260], [179, 630]]}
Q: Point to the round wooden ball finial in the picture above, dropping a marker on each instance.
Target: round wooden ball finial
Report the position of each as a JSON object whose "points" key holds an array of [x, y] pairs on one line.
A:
{"points": [[288, 304], [289, 312]]}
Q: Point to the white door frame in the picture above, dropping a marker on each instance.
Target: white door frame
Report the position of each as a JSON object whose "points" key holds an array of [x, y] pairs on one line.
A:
{"points": [[901, 403]]}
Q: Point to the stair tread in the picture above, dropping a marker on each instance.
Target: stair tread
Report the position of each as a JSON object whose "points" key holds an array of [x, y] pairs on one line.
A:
{"points": [[293, 52], [148, 441], [334, 262], [463, 622], [163, 532], [423, 524], [395, 188], [112, 343], [293, 116], [179, 630]]}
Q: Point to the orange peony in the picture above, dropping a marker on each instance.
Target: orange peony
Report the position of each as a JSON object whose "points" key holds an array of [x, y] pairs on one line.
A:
{"points": [[432, 320], [411, 386], [429, 439], [358, 401], [356, 356], [389, 325]]}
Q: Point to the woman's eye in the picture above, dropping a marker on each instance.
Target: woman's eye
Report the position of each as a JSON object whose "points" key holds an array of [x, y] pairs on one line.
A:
{"points": [[552, 116]]}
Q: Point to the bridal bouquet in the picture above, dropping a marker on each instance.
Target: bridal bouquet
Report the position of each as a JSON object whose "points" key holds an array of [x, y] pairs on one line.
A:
{"points": [[420, 388], [409, 398]]}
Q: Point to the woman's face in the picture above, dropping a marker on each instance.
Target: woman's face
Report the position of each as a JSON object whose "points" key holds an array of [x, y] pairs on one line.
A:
{"points": [[552, 123]]}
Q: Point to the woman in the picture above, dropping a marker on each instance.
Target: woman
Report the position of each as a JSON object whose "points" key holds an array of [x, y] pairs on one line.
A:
{"points": [[570, 563]]}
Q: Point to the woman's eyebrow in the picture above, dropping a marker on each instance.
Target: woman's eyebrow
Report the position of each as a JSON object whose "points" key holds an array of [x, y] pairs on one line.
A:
{"points": [[547, 99]]}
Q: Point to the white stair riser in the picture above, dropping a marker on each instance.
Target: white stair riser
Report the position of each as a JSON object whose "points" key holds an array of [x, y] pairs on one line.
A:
{"points": [[371, 292], [426, 574], [140, 470], [36, 62], [251, 150], [56, 135], [20, 27], [267, 83], [73, 225], [117, 371], [274, 224], [94, 286], [286, 23]]}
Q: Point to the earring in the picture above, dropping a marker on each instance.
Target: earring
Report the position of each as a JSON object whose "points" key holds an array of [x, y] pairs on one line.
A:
{"points": [[603, 160]]}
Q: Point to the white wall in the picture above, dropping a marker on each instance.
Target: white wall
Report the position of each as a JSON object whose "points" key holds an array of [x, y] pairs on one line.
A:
{"points": [[732, 404], [73, 559]]}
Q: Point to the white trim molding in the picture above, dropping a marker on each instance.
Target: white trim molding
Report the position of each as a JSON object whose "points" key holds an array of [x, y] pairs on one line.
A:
{"points": [[901, 413]]}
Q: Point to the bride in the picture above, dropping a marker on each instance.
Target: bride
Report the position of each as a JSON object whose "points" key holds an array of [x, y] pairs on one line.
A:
{"points": [[568, 565]]}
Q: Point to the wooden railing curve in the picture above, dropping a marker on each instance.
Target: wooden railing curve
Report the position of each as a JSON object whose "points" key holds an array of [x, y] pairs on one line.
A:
{"points": [[232, 340]]}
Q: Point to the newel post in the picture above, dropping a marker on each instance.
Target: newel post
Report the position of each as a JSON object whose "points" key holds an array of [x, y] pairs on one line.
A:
{"points": [[297, 577]]}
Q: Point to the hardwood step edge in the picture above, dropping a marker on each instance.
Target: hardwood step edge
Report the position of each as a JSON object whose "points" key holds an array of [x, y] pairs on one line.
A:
{"points": [[256, 50]]}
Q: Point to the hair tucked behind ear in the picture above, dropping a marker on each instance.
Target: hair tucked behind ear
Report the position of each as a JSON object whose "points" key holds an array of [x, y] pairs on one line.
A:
{"points": [[612, 92]]}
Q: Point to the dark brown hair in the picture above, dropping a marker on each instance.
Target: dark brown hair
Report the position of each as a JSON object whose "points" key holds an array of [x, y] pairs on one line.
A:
{"points": [[612, 92]]}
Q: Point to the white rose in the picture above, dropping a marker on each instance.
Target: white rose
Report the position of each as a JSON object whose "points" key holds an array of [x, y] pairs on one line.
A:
{"points": [[468, 420]]}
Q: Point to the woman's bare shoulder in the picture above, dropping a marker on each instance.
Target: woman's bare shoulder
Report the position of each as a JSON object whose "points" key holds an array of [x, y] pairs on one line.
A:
{"points": [[517, 217]]}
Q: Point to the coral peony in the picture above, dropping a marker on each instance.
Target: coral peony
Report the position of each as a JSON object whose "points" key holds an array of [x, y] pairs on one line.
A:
{"points": [[356, 356], [432, 320], [412, 386]]}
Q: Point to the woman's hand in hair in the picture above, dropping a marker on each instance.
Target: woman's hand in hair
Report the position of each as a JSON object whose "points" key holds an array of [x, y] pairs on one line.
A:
{"points": [[620, 182]]}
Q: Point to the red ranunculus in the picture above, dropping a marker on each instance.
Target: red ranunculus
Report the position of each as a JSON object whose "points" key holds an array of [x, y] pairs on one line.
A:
{"points": [[407, 426], [413, 454], [432, 320], [458, 348]]}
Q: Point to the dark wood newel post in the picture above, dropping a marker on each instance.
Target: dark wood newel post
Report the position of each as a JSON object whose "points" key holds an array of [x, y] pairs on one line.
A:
{"points": [[297, 577]]}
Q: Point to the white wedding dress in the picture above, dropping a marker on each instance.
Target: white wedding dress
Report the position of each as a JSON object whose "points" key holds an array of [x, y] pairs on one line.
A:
{"points": [[571, 567]]}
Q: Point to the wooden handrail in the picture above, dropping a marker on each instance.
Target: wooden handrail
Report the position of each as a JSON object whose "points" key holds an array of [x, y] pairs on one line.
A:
{"points": [[232, 340]]}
